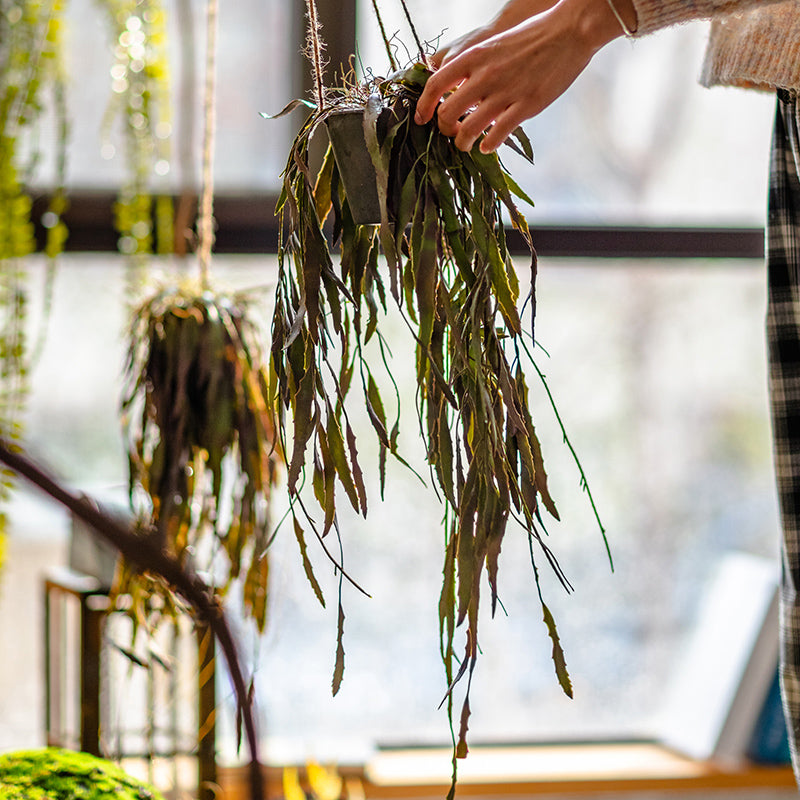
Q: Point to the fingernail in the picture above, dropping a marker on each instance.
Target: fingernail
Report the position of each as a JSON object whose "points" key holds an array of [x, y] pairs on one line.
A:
{"points": [[418, 118]]}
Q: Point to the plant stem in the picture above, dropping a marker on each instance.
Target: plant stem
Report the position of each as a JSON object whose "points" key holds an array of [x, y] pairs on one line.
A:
{"points": [[315, 46], [139, 550], [386, 43], [206, 219]]}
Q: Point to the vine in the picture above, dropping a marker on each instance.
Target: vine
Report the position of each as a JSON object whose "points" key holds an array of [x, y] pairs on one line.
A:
{"points": [[30, 70], [140, 99]]}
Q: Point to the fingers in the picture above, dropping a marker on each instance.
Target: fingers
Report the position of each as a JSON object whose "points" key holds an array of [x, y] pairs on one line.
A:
{"points": [[439, 56], [452, 110], [462, 113], [503, 127], [472, 126], [440, 82]]}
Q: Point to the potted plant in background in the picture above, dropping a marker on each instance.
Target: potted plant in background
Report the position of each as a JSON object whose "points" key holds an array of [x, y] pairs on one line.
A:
{"points": [[449, 272]]}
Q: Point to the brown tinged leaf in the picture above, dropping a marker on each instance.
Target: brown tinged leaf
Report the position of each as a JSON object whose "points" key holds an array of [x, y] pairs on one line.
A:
{"points": [[559, 660], [339, 458], [338, 670], [358, 477], [255, 590], [328, 503], [309, 570], [461, 747], [304, 424]]}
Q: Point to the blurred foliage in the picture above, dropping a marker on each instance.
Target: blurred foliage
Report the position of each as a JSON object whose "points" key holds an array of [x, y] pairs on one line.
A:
{"points": [[53, 774], [320, 783], [31, 81], [201, 437], [140, 84]]}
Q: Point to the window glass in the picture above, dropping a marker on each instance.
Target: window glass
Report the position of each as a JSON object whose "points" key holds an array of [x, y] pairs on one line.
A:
{"points": [[635, 139], [255, 73], [658, 372]]}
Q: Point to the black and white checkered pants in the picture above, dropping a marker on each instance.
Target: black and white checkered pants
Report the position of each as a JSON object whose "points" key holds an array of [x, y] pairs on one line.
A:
{"points": [[783, 336]]}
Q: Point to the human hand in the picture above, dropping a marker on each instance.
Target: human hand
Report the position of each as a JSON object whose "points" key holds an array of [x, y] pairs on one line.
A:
{"points": [[494, 85], [512, 13]]}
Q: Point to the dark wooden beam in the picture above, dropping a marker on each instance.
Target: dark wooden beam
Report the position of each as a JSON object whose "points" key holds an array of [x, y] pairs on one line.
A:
{"points": [[246, 223]]}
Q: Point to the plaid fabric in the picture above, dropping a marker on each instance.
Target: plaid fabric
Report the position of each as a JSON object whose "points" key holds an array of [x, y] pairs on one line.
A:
{"points": [[783, 336]]}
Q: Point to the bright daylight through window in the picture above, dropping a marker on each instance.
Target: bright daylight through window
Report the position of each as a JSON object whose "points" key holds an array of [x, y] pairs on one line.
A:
{"points": [[657, 368]]}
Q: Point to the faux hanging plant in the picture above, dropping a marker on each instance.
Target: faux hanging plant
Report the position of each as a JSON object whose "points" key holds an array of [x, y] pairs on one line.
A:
{"points": [[438, 252]]}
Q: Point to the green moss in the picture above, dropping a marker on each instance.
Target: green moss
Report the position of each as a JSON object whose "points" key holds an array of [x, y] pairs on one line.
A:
{"points": [[54, 774]]}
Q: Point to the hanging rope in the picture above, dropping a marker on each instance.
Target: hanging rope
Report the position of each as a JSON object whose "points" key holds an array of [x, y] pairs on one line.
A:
{"points": [[314, 48], [386, 43], [420, 48], [205, 222]]}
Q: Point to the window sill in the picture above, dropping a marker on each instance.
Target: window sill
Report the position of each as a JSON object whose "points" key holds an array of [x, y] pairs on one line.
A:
{"points": [[586, 768]]}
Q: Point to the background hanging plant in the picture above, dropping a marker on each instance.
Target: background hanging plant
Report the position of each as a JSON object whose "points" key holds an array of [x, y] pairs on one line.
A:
{"points": [[449, 271], [140, 102], [201, 438], [31, 80]]}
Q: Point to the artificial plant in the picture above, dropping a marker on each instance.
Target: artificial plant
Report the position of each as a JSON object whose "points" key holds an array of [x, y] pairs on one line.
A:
{"points": [[447, 267]]}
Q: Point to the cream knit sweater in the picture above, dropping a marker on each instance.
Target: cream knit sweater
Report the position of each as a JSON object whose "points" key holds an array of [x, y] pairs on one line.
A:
{"points": [[752, 43]]}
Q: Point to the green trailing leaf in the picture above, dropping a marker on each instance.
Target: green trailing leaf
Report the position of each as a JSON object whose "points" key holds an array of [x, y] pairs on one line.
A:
{"points": [[339, 458], [520, 143], [304, 424], [338, 669], [288, 108], [559, 661], [446, 262], [309, 570]]}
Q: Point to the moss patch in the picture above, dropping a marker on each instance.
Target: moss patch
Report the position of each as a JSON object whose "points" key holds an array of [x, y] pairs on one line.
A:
{"points": [[52, 774]]}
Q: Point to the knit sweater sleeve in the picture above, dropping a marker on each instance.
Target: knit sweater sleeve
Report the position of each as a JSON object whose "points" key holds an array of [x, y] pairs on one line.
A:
{"points": [[652, 15]]}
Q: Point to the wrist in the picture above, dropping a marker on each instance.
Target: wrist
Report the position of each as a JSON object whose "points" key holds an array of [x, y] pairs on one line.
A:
{"points": [[625, 13], [515, 12], [598, 22]]}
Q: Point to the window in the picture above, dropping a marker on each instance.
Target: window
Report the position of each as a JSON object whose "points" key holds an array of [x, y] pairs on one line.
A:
{"points": [[635, 139], [256, 71], [657, 368]]}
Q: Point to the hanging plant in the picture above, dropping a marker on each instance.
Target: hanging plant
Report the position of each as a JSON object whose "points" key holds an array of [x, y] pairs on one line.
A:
{"points": [[447, 268], [31, 80], [140, 102], [200, 430]]}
